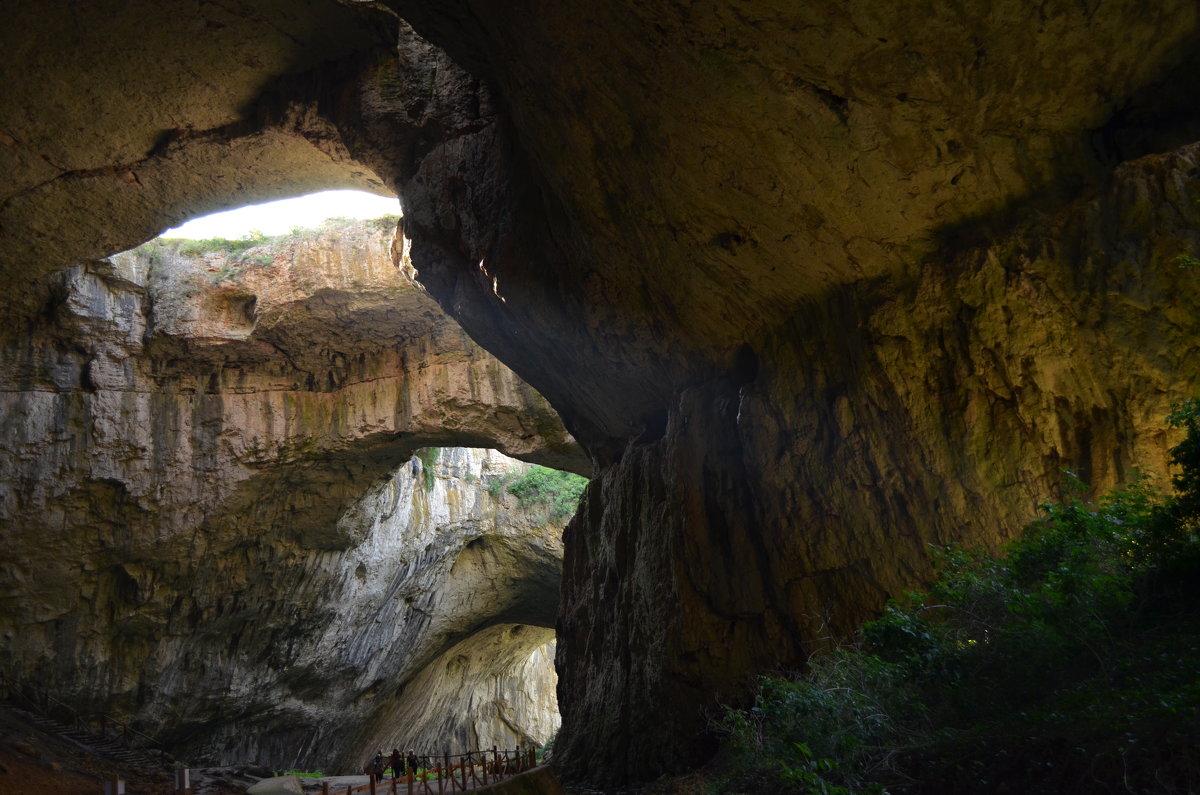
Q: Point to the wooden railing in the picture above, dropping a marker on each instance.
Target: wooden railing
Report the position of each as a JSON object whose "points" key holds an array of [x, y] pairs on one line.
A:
{"points": [[449, 774], [444, 775]]}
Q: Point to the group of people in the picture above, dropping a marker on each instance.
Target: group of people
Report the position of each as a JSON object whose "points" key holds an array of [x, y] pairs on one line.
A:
{"points": [[400, 765]]}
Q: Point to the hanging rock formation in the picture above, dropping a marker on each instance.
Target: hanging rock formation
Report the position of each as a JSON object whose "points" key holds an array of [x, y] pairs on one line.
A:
{"points": [[848, 282], [815, 285]]}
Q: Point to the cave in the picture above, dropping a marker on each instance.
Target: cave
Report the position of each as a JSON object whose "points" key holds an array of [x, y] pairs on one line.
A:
{"points": [[274, 536], [803, 289]]}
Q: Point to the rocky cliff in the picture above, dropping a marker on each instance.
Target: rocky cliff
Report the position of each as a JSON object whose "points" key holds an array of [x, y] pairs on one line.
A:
{"points": [[848, 282], [431, 632], [188, 440], [815, 284]]}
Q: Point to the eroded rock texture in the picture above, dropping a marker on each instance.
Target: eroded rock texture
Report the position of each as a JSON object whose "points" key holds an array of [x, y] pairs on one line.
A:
{"points": [[815, 284], [432, 632], [849, 281], [187, 443]]}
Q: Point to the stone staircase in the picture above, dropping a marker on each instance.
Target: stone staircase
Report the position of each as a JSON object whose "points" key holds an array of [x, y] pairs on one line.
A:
{"points": [[44, 712], [103, 745]]}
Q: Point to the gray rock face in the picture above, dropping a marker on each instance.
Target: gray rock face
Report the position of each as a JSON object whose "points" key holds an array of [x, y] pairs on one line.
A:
{"points": [[187, 442], [431, 633]]}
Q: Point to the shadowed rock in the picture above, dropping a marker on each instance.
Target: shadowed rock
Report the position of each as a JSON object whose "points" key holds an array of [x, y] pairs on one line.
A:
{"points": [[815, 285]]}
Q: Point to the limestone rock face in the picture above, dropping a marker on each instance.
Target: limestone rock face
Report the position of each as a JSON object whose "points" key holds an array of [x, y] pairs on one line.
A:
{"points": [[98, 111], [815, 284], [186, 445], [432, 632], [848, 283]]}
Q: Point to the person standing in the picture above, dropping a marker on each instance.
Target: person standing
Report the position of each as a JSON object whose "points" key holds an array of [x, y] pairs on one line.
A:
{"points": [[397, 763]]}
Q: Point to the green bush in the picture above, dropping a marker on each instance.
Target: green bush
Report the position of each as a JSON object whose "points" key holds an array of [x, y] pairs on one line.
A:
{"points": [[1063, 663], [547, 748], [384, 223], [823, 732], [557, 490], [497, 486]]}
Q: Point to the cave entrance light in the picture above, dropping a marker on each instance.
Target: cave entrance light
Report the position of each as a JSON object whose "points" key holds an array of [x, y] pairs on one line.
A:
{"points": [[282, 216]]}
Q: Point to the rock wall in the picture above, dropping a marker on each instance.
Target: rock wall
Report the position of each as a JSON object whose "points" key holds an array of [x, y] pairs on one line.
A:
{"points": [[815, 284], [847, 283], [187, 443], [776, 513], [432, 632]]}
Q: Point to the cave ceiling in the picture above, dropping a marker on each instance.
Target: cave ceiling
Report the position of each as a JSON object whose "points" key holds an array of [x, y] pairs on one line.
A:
{"points": [[701, 170]]}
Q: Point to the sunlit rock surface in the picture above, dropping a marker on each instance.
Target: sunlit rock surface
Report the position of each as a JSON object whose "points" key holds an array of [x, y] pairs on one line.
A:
{"points": [[432, 632], [186, 445]]}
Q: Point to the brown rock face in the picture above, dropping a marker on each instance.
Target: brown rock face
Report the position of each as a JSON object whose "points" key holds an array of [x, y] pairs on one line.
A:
{"points": [[815, 285], [849, 282], [777, 513]]}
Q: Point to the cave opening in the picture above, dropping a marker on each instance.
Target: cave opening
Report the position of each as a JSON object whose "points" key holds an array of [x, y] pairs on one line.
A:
{"points": [[322, 547], [818, 287]]}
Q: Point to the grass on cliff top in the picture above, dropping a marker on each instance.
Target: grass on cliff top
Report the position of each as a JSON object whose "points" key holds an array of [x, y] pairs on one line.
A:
{"points": [[254, 238], [1067, 663]]}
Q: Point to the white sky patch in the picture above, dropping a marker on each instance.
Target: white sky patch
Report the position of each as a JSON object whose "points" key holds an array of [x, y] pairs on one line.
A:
{"points": [[280, 217]]}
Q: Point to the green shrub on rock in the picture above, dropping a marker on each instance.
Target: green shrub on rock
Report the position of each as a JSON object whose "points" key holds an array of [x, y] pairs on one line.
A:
{"points": [[1064, 663], [557, 490]]}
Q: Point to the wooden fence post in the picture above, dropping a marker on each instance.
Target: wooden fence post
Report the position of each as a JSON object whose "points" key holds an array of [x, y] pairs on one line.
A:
{"points": [[372, 783], [324, 788]]}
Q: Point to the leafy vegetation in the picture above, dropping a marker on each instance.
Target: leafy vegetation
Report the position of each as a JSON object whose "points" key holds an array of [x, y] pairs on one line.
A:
{"points": [[1067, 663], [384, 223], [428, 457], [191, 248], [1187, 261], [304, 774], [559, 492], [546, 749], [497, 486]]}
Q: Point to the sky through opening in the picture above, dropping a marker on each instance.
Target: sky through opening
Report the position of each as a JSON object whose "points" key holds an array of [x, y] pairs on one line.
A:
{"points": [[280, 217]]}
